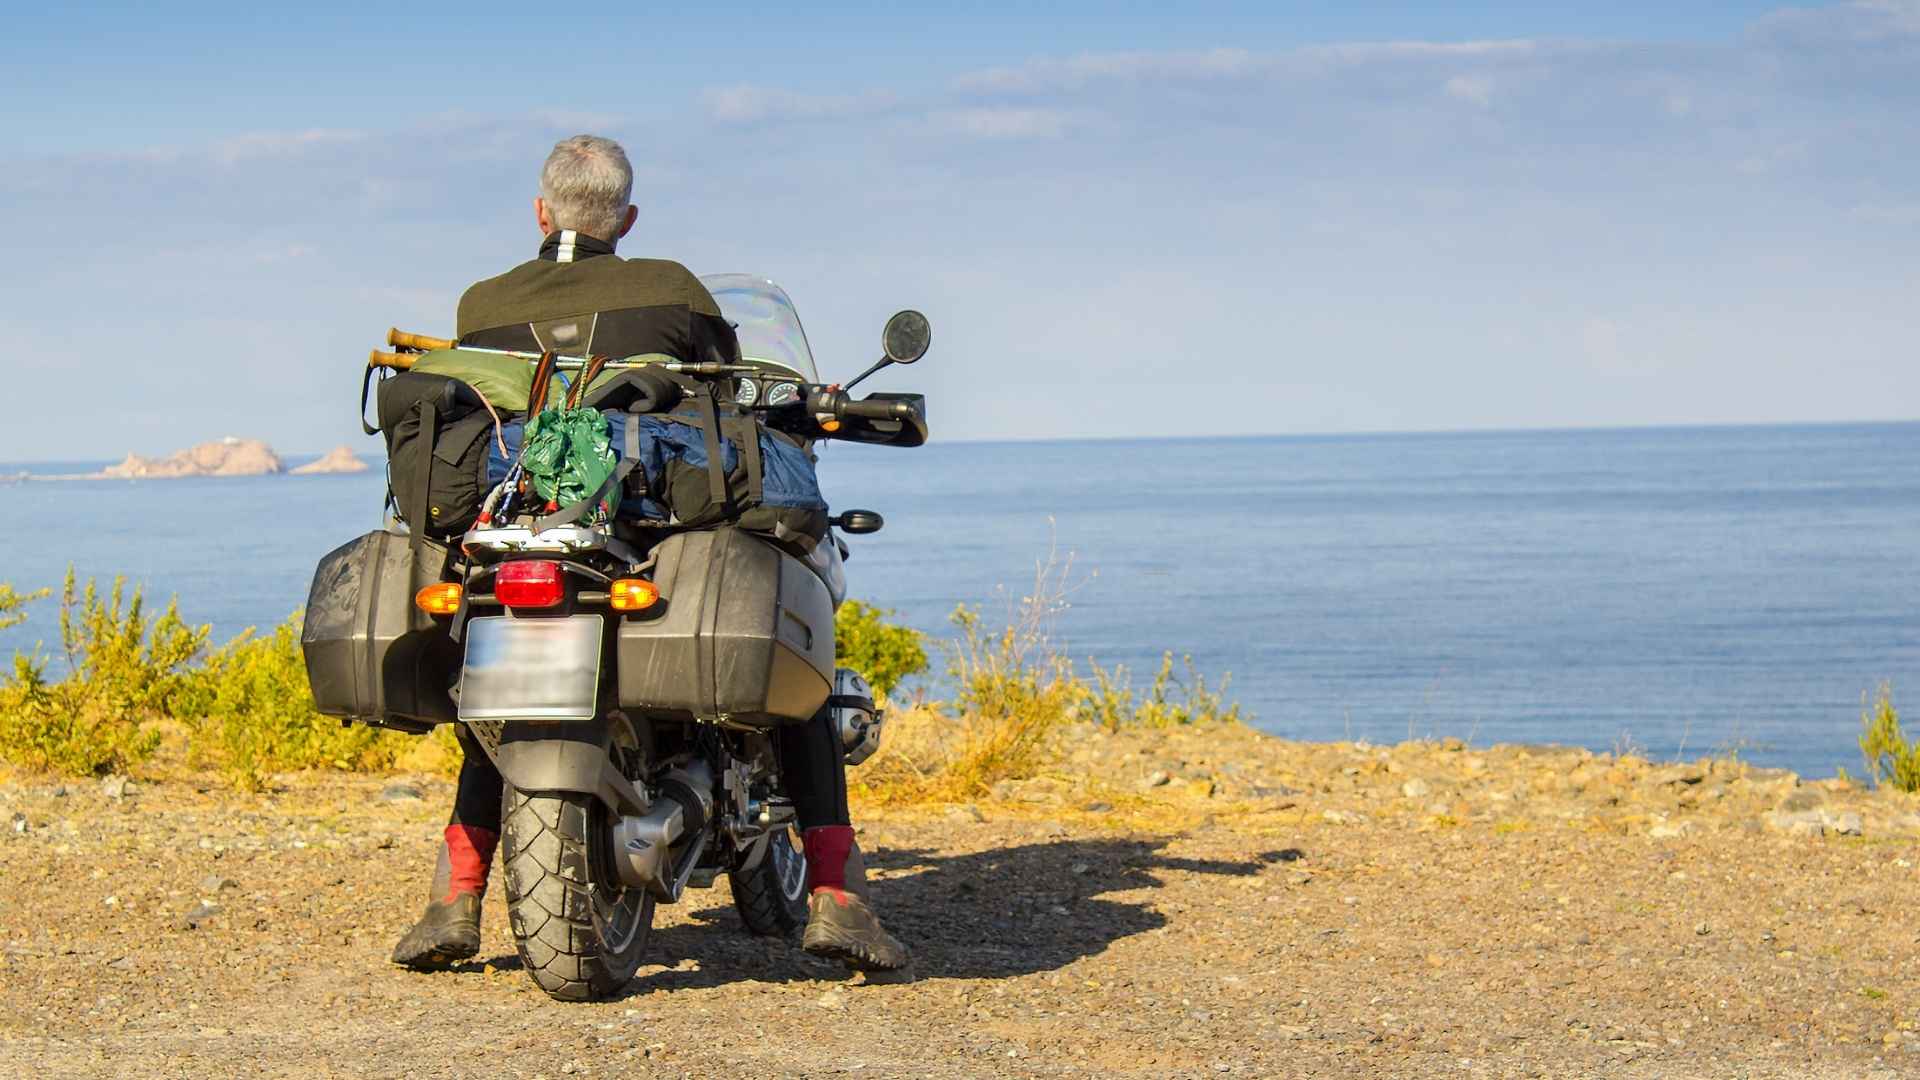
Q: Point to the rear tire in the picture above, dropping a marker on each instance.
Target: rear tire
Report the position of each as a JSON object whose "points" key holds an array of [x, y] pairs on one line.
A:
{"points": [[772, 897], [580, 930]]}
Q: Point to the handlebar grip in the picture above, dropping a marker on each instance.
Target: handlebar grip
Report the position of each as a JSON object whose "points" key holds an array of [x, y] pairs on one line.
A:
{"points": [[400, 339], [396, 361], [877, 410]]}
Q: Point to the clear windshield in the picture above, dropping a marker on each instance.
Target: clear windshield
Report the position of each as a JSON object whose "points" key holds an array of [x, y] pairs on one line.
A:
{"points": [[764, 318]]}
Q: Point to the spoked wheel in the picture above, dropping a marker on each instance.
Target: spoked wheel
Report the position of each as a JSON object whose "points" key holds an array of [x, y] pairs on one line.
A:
{"points": [[772, 897], [579, 928]]}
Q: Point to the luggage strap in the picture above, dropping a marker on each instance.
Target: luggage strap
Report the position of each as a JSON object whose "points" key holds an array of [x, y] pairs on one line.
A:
{"points": [[743, 429], [709, 426], [417, 529], [366, 388]]}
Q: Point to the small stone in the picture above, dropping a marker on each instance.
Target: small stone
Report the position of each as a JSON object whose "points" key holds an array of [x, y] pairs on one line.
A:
{"points": [[1097, 807], [1415, 788], [115, 787], [1343, 817], [1669, 830], [965, 812], [19, 823], [1702, 929], [1797, 823], [835, 999], [398, 792], [1078, 868], [201, 912], [59, 791], [213, 883], [1804, 799], [1846, 824], [1156, 778]]}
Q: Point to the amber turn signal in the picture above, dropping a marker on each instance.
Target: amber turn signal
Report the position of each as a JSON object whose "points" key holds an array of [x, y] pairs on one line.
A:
{"points": [[442, 598], [633, 594]]}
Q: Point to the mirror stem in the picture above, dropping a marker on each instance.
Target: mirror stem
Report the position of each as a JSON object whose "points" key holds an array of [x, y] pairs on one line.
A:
{"points": [[884, 361]]}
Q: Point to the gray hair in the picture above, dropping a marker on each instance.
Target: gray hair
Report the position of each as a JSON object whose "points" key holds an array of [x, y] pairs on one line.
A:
{"points": [[587, 184]]}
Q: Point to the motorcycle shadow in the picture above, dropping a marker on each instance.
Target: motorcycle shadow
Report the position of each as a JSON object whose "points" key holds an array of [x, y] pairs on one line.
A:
{"points": [[990, 914]]}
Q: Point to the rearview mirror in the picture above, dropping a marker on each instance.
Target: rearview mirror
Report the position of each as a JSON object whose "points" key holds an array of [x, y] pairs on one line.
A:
{"points": [[858, 522], [907, 336]]}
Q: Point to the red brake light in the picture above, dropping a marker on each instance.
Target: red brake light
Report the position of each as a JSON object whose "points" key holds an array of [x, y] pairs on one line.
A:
{"points": [[533, 583]]}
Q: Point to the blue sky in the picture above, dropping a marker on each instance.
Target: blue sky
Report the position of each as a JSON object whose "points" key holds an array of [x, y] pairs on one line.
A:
{"points": [[1237, 218]]}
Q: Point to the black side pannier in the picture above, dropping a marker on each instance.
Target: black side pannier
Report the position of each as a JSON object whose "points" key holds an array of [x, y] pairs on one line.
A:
{"points": [[436, 429], [371, 654], [717, 646]]}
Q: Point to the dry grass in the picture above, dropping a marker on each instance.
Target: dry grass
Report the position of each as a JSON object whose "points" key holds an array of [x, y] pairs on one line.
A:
{"points": [[1015, 693]]}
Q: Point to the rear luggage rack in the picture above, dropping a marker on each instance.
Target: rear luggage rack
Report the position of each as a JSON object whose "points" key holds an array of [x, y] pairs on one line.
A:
{"points": [[563, 540]]}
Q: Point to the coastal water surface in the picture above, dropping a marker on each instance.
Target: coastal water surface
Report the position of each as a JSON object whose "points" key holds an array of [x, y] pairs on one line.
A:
{"points": [[1679, 591]]}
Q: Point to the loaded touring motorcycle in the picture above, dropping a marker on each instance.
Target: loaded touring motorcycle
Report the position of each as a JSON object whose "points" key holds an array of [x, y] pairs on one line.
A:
{"points": [[620, 577]]}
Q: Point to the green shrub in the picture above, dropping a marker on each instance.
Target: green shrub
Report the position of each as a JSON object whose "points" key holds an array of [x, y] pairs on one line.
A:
{"points": [[884, 652], [1892, 759], [11, 602], [252, 714], [1113, 704], [122, 667]]}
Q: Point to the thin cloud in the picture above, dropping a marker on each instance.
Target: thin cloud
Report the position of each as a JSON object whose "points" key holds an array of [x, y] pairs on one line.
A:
{"points": [[750, 104], [1004, 122]]}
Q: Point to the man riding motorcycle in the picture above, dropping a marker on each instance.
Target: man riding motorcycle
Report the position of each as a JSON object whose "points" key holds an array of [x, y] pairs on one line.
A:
{"points": [[579, 299]]}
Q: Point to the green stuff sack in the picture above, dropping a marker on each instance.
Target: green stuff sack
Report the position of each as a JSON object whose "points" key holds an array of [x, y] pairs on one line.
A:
{"points": [[505, 381], [568, 457]]}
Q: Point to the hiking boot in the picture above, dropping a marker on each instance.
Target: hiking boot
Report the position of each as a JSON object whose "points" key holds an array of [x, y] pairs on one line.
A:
{"points": [[840, 921], [446, 934], [449, 930], [841, 925]]}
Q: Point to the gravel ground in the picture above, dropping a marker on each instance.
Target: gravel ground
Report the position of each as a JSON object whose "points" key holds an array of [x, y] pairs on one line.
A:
{"points": [[1214, 904]]}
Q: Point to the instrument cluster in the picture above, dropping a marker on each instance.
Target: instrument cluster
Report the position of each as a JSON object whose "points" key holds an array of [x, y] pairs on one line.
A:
{"points": [[769, 392]]}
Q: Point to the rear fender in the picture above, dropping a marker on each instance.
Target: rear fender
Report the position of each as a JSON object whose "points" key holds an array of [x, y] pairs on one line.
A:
{"points": [[566, 756]]}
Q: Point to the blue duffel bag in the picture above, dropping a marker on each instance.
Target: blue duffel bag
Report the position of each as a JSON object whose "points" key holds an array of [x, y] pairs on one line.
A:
{"points": [[775, 490]]}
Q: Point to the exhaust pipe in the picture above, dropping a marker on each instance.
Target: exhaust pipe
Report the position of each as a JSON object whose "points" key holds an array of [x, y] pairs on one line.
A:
{"points": [[644, 845]]}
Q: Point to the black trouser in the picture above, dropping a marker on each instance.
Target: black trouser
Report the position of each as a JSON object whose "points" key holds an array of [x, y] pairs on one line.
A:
{"points": [[810, 762]]}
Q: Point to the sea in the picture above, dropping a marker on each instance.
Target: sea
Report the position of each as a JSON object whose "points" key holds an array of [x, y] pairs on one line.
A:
{"points": [[1674, 592]]}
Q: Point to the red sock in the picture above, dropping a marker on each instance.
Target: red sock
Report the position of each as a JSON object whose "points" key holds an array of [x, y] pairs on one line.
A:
{"points": [[469, 856], [827, 847]]}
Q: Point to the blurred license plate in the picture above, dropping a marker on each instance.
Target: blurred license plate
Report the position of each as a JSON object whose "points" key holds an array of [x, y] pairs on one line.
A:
{"points": [[531, 669]]}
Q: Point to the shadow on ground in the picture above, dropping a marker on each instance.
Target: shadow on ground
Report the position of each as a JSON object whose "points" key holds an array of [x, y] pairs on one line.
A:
{"points": [[990, 914]]}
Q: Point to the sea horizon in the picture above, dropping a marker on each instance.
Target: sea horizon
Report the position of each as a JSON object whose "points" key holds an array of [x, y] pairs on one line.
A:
{"points": [[376, 448]]}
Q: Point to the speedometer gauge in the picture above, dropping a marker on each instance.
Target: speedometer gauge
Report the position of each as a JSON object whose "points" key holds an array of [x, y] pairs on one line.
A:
{"points": [[785, 393], [747, 394]]}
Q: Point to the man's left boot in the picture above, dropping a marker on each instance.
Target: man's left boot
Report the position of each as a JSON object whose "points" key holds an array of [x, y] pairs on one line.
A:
{"points": [[449, 931], [840, 920]]}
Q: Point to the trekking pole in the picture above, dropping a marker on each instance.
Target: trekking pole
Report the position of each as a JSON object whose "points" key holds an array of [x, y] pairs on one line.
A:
{"points": [[400, 339], [401, 361]]}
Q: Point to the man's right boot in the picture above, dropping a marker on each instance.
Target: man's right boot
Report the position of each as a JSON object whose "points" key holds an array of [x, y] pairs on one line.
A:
{"points": [[449, 930], [841, 922]]}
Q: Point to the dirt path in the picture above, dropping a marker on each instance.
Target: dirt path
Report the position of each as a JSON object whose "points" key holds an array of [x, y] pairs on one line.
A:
{"points": [[1346, 928]]}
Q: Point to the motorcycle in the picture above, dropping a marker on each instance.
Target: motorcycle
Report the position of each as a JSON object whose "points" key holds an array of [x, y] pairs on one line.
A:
{"points": [[629, 683]]}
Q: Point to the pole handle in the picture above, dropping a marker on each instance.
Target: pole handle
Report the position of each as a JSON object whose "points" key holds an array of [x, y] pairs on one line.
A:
{"points": [[396, 361], [400, 339]]}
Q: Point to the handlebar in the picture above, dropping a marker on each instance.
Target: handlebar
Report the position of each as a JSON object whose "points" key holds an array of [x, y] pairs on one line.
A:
{"points": [[877, 410]]}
